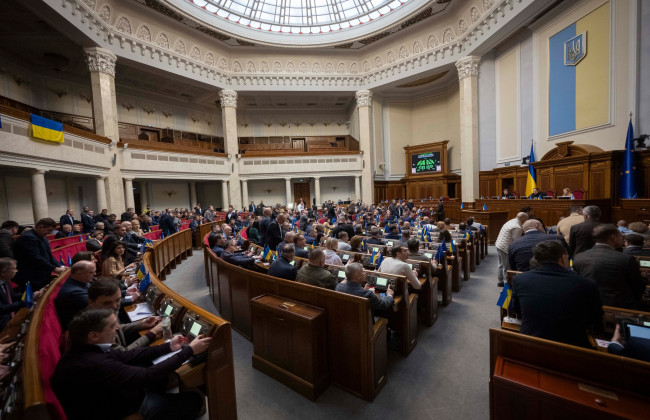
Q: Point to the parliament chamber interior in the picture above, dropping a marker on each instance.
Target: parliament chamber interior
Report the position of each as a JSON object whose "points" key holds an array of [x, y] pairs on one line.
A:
{"points": [[408, 209]]}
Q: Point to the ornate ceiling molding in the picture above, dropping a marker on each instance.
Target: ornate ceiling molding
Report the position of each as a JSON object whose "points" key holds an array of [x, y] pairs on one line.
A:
{"points": [[207, 67]]}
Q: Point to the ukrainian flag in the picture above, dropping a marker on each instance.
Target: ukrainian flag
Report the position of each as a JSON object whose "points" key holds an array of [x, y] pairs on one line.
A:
{"points": [[141, 273], [531, 180], [45, 129], [505, 297]]}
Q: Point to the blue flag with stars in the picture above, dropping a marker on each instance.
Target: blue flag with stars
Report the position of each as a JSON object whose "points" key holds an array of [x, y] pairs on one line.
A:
{"points": [[628, 170]]}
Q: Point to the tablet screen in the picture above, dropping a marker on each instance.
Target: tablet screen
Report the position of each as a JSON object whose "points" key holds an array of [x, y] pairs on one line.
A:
{"points": [[639, 331], [196, 329], [428, 255], [644, 263], [168, 310], [346, 257], [381, 281], [389, 243], [341, 274]]}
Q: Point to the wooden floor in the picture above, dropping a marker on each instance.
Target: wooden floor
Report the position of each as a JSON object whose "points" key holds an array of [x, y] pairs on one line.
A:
{"points": [[445, 377]]}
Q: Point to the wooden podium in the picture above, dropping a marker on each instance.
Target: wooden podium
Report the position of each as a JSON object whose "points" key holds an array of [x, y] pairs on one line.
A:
{"points": [[289, 341]]}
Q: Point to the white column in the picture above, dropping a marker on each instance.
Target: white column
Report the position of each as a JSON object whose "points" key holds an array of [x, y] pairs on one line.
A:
{"points": [[101, 63], [364, 105], [193, 199], [317, 190], [357, 187], [144, 197], [39, 195], [71, 202], [101, 194], [231, 142], [128, 190], [287, 186], [468, 77], [224, 195], [244, 194]]}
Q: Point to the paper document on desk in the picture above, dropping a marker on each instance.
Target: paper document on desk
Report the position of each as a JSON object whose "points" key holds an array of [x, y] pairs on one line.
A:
{"points": [[164, 357], [141, 311], [510, 320]]}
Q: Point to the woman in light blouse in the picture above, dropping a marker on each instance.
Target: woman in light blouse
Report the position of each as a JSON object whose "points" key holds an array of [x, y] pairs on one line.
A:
{"points": [[113, 266], [331, 258], [135, 227], [566, 193]]}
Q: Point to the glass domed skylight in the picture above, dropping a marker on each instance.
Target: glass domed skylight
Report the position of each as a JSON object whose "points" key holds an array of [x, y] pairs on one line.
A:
{"points": [[299, 16]]}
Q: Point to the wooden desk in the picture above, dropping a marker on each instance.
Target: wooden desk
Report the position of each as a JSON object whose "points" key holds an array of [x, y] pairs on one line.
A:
{"points": [[492, 218]]}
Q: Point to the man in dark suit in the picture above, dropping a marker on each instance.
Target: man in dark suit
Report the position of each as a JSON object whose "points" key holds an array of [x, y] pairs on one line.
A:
{"points": [[35, 260], [520, 251], [274, 232], [67, 218], [240, 259], [7, 232], [580, 235], [633, 347], [10, 301], [118, 235], [91, 370], [167, 223], [555, 303], [344, 225], [618, 275], [251, 207], [634, 245], [300, 243], [73, 295], [259, 210], [88, 222], [283, 267], [375, 236], [537, 194], [102, 217], [264, 224], [127, 215]]}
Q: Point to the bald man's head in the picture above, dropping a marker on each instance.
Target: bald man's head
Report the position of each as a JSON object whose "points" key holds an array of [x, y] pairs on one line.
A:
{"points": [[522, 217], [532, 224]]}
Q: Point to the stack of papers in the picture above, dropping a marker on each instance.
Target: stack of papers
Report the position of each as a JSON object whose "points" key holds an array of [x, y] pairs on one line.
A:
{"points": [[141, 311]]}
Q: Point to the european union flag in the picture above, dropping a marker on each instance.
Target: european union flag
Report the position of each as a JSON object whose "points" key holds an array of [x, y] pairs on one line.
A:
{"points": [[628, 171], [440, 253], [143, 248], [28, 296], [144, 283]]}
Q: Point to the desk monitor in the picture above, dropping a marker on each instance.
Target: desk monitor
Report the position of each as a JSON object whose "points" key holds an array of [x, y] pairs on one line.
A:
{"points": [[546, 197], [168, 309], [524, 197], [381, 282], [345, 257], [389, 243], [341, 274], [644, 263], [495, 197], [376, 249], [196, 329], [428, 255], [639, 331]]}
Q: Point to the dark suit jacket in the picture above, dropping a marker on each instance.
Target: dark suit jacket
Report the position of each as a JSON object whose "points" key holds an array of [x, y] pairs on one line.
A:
{"points": [[93, 245], [636, 250], [282, 269], [7, 308], [273, 235], [556, 304], [6, 243], [264, 225], [126, 217], [251, 208], [167, 224], [85, 375], [66, 220], [236, 259], [302, 253], [617, 275], [61, 234], [580, 238], [635, 347], [520, 251], [343, 227], [35, 260], [88, 223], [440, 211], [72, 297]]}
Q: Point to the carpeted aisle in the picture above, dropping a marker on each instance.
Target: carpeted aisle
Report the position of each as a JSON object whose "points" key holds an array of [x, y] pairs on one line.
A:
{"points": [[445, 377]]}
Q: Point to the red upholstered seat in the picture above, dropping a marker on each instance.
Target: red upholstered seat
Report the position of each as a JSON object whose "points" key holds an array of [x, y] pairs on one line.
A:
{"points": [[578, 195], [550, 193], [49, 354]]}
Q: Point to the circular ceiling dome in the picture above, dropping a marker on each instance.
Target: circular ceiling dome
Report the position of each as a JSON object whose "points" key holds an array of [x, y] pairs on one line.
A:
{"points": [[300, 22]]}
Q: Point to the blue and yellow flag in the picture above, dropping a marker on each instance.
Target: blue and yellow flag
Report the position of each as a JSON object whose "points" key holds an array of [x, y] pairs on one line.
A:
{"points": [[531, 180], [484, 207], [141, 273], [144, 283], [628, 171], [381, 259], [505, 296], [45, 129], [265, 254], [373, 257]]}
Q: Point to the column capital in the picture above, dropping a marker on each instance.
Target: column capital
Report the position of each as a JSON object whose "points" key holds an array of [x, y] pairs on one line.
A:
{"points": [[224, 181], [244, 181], [228, 98], [38, 171], [316, 178], [101, 60], [467, 66], [128, 179], [100, 177], [287, 178], [363, 97]]}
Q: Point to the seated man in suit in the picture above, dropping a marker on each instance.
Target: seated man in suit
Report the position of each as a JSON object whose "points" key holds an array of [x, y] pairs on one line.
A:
{"points": [[314, 272], [633, 347], [375, 236], [555, 303], [64, 232], [617, 274], [90, 371], [634, 245], [67, 218], [353, 285], [217, 242], [241, 259], [395, 264], [537, 194], [392, 232], [300, 243], [520, 251], [284, 267], [288, 239], [10, 301], [73, 295], [130, 236]]}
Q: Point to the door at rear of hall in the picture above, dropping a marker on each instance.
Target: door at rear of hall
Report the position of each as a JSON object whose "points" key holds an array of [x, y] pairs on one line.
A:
{"points": [[301, 190]]}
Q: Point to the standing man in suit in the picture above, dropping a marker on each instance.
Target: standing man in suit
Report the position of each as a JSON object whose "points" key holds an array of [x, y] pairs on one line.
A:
{"points": [[67, 218], [617, 274], [167, 223], [274, 232], [264, 224], [580, 235], [283, 267], [251, 207], [7, 232], [35, 260], [440, 211], [88, 222], [555, 303], [259, 210]]}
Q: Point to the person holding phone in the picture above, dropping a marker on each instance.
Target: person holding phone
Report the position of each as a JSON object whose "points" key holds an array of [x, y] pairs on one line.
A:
{"points": [[354, 279], [635, 345]]}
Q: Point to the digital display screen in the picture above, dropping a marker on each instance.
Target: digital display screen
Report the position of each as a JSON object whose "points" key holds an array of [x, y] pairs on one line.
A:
{"points": [[292, 263], [644, 263], [306, 248], [346, 257], [638, 331], [168, 310], [428, 255], [389, 243], [425, 163], [376, 249], [381, 281], [196, 329], [341, 274]]}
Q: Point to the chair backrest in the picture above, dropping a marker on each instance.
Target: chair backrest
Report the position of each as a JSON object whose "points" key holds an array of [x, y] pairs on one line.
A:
{"points": [[579, 194], [550, 193]]}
